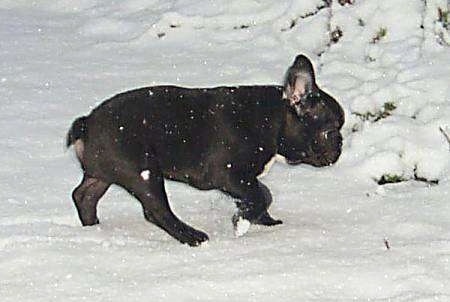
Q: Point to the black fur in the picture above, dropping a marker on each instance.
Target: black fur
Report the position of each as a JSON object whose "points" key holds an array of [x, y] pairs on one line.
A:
{"points": [[212, 138], [77, 131]]}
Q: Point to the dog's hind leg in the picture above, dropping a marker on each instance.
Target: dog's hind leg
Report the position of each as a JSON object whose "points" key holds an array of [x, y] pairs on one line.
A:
{"points": [[86, 197]]}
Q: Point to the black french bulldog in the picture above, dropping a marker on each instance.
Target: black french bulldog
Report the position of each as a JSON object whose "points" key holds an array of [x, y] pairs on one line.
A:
{"points": [[211, 138]]}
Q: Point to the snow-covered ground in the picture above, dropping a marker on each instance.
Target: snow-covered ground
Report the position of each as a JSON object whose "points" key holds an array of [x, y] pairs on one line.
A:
{"points": [[388, 64]]}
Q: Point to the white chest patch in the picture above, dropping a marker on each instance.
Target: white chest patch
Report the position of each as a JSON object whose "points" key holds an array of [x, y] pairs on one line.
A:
{"points": [[267, 167]]}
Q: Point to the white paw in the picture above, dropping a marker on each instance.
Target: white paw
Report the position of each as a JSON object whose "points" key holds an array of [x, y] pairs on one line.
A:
{"points": [[241, 227]]}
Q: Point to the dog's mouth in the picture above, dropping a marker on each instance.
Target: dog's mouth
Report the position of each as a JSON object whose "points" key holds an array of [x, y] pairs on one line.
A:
{"points": [[323, 162], [303, 156], [316, 159]]}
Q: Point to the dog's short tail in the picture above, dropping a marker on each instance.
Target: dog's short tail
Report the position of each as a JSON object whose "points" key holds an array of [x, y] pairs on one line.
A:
{"points": [[77, 131]]}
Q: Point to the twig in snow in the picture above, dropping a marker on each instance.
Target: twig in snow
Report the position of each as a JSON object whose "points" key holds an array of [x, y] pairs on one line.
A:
{"points": [[386, 244], [447, 137], [443, 17], [294, 21], [381, 33], [344, 2], [336, 35]]}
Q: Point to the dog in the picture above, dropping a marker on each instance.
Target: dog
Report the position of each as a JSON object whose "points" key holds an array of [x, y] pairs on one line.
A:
{"points": [[210, 138]]}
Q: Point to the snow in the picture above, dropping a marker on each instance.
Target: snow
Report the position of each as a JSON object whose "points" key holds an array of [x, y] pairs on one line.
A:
{"points": [[60, 59], [145, 174]]}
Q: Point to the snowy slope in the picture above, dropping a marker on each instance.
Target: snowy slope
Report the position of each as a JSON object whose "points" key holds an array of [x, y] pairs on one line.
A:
{"points": [[388, 65]]}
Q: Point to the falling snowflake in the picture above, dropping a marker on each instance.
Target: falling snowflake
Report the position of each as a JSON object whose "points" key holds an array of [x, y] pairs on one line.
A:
{"points": [[145, 174]]}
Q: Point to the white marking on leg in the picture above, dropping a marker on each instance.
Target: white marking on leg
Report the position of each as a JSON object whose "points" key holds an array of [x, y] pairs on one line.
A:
{"points": [[242, 226]]}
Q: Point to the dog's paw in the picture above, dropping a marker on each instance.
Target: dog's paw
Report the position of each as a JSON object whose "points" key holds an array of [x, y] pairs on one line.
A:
{"points": [[241, 226]]}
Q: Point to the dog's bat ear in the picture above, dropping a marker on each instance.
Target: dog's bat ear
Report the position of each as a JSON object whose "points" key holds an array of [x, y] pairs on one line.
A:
{"points": [[299, 80]]}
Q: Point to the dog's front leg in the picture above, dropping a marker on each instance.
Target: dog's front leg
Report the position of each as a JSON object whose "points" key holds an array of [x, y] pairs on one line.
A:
{"points": [[253, 200]]}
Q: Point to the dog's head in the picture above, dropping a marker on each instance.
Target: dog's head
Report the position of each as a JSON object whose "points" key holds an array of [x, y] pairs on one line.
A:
{"points": [[312, 131]]}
